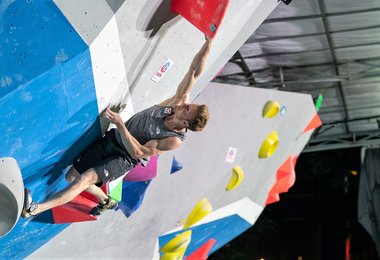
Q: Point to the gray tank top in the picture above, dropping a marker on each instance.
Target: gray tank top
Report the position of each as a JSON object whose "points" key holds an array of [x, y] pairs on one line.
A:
{"points": [[149, 125]]}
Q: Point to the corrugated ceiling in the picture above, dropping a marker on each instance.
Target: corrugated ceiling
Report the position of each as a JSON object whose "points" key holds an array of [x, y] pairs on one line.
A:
{"points": [[328, 47]]}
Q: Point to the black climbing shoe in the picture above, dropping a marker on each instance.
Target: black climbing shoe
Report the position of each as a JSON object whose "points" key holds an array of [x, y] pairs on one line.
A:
{"points": [[29, 205], [110, 204]]}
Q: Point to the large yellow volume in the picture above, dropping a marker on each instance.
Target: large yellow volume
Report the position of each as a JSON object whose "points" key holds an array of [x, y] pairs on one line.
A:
{"points": [[180, 242], [236, 178], [201, 209], [269, 145]]}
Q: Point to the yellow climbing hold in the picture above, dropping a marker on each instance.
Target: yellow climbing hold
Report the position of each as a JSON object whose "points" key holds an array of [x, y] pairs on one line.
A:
{"points": [[271, 109], [201, 209], [269, 146], [178, 243], [236, 178], [178, 255]]}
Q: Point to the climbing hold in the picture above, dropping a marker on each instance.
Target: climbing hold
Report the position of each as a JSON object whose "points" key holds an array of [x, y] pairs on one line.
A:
{"points": [[272, 198], [314, 123], [201, 209], [271, 109], [178, 255], [318, 102], [77, 210], [176, 166], [236, 178], [285, 177], [205, 15], [136, 192], [202, 252], [92, 197], [117, 191], [269, 146], [283, 110], [178, 243], [140, 173]]}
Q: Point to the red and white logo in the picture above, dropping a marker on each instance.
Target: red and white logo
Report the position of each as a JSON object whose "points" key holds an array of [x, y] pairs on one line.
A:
{"points": [[231, 154], [162, 71]]}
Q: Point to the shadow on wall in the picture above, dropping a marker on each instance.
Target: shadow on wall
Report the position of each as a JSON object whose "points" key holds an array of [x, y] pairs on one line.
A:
{"points": [[153, 19], [56, 169], [44, 181], [115, 4]]}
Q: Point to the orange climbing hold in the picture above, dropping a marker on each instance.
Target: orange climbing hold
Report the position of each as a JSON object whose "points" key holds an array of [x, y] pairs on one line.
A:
{"points": [[205, 15], [314, 123], [272, 198], [286, 176], [285, 179]]}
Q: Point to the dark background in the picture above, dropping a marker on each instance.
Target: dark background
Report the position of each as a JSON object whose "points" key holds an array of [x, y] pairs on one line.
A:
{"points": [[314, 219]]}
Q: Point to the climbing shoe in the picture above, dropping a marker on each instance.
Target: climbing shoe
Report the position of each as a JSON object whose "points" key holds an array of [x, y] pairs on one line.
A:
{"points": [[110, 204], [29, 205]]}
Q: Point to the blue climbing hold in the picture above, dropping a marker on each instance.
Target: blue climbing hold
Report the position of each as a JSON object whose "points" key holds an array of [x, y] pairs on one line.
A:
{"points": [[283, 110], [176, 166], [133, 196]]}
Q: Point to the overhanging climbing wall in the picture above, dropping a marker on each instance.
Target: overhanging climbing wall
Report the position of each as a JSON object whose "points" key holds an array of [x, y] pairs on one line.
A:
{"points": [[236, 122], [63, 62]]}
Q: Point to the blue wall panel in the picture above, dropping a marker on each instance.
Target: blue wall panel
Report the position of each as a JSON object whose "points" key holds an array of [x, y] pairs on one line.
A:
{"points": [[48, 106], [222, 230], [34, 37]]}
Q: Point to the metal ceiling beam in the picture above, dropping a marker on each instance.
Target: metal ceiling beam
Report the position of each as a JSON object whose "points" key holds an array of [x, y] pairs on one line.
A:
{"points": [[247, 71], [372, 71], [374, 58], [306, 17], [314, 50], [293, 18], [361, 134], [234, 78], [334, 109], [369, 139], [326, 24], [284, 53], [350, 120], [357, 45], [285, 37]]}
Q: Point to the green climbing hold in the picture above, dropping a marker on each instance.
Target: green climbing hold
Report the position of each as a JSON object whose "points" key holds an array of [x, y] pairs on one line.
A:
{"points": [[116, 192], [318, 103]]}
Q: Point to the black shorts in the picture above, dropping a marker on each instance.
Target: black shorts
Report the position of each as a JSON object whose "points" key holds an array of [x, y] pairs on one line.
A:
{"points": [[107, 157]]}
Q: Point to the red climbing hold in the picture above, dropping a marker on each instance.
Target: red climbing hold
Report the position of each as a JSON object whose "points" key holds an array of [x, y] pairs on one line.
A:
{"points": [[205, 15], [77, 210], [285, 178], [202, 252], [272, 198], [92, 197]]}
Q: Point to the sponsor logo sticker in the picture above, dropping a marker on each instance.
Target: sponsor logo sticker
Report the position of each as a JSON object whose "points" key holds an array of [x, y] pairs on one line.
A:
{"points": [[231, 154], [160, 73]]}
